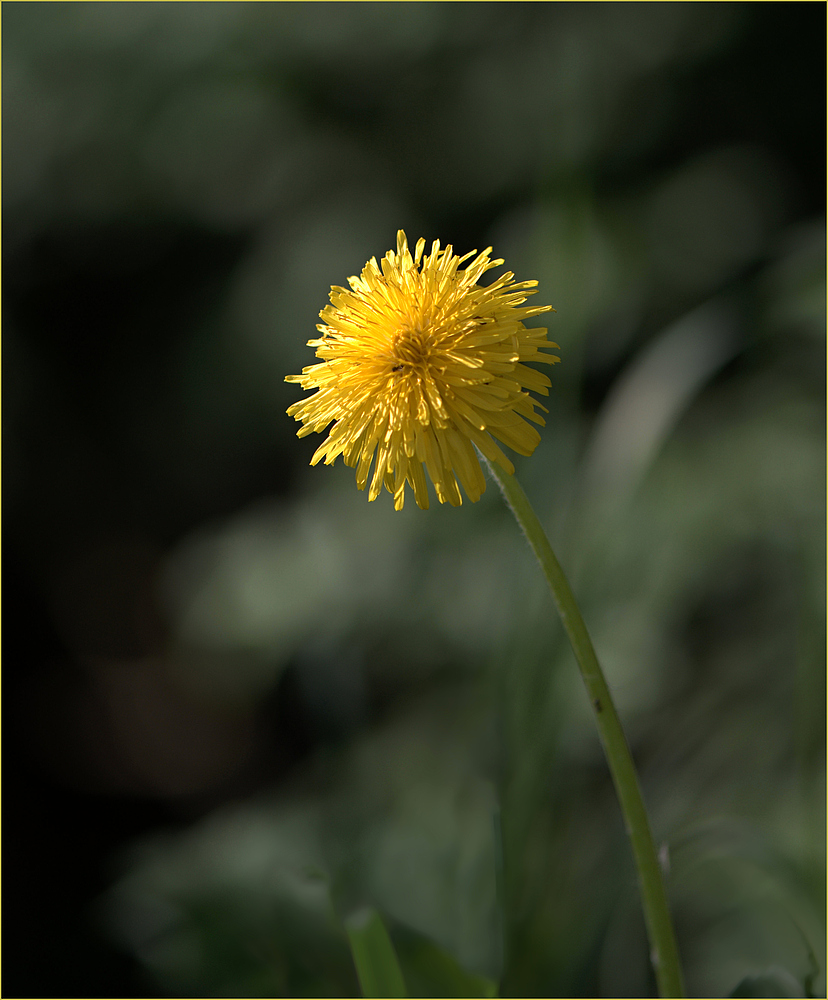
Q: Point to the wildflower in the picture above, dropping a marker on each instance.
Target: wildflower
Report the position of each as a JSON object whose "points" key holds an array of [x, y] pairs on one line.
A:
{"points": [[420, 363]]}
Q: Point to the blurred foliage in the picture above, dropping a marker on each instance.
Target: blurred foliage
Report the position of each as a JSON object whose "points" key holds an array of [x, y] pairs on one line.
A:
{"points": [[376, 962], [311, 704]]}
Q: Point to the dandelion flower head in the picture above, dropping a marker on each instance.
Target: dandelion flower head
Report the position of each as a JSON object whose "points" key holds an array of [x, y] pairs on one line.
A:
{"points": [[420, 364]]}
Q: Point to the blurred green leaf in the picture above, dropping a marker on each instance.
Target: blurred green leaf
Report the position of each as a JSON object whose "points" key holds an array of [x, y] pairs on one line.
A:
{"points": [[431, 971], [376, 962], [774, 982]]}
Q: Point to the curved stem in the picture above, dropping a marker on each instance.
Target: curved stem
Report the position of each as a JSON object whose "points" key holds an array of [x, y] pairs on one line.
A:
{"points": [[664, 951]]}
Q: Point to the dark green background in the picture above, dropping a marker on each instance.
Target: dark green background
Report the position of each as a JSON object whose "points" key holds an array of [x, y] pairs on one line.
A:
{"points": [[238, 699]]}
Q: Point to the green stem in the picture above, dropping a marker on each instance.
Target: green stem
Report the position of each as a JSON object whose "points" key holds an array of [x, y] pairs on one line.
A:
{"points": [[664, 951]]}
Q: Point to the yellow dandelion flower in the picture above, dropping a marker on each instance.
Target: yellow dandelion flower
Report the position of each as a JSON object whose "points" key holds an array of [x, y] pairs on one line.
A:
{"points": [[420, 363]]}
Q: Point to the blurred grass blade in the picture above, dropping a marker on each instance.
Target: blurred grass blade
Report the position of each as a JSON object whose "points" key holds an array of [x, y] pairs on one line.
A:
{"points": [[376, 962]]}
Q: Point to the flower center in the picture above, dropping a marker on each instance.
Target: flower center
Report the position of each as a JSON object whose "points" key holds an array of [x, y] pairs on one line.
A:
{"points": [[410, 346]]}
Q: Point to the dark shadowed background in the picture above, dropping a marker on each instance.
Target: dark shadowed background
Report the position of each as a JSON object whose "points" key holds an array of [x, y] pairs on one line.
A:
{"points": [[240, 701]]}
